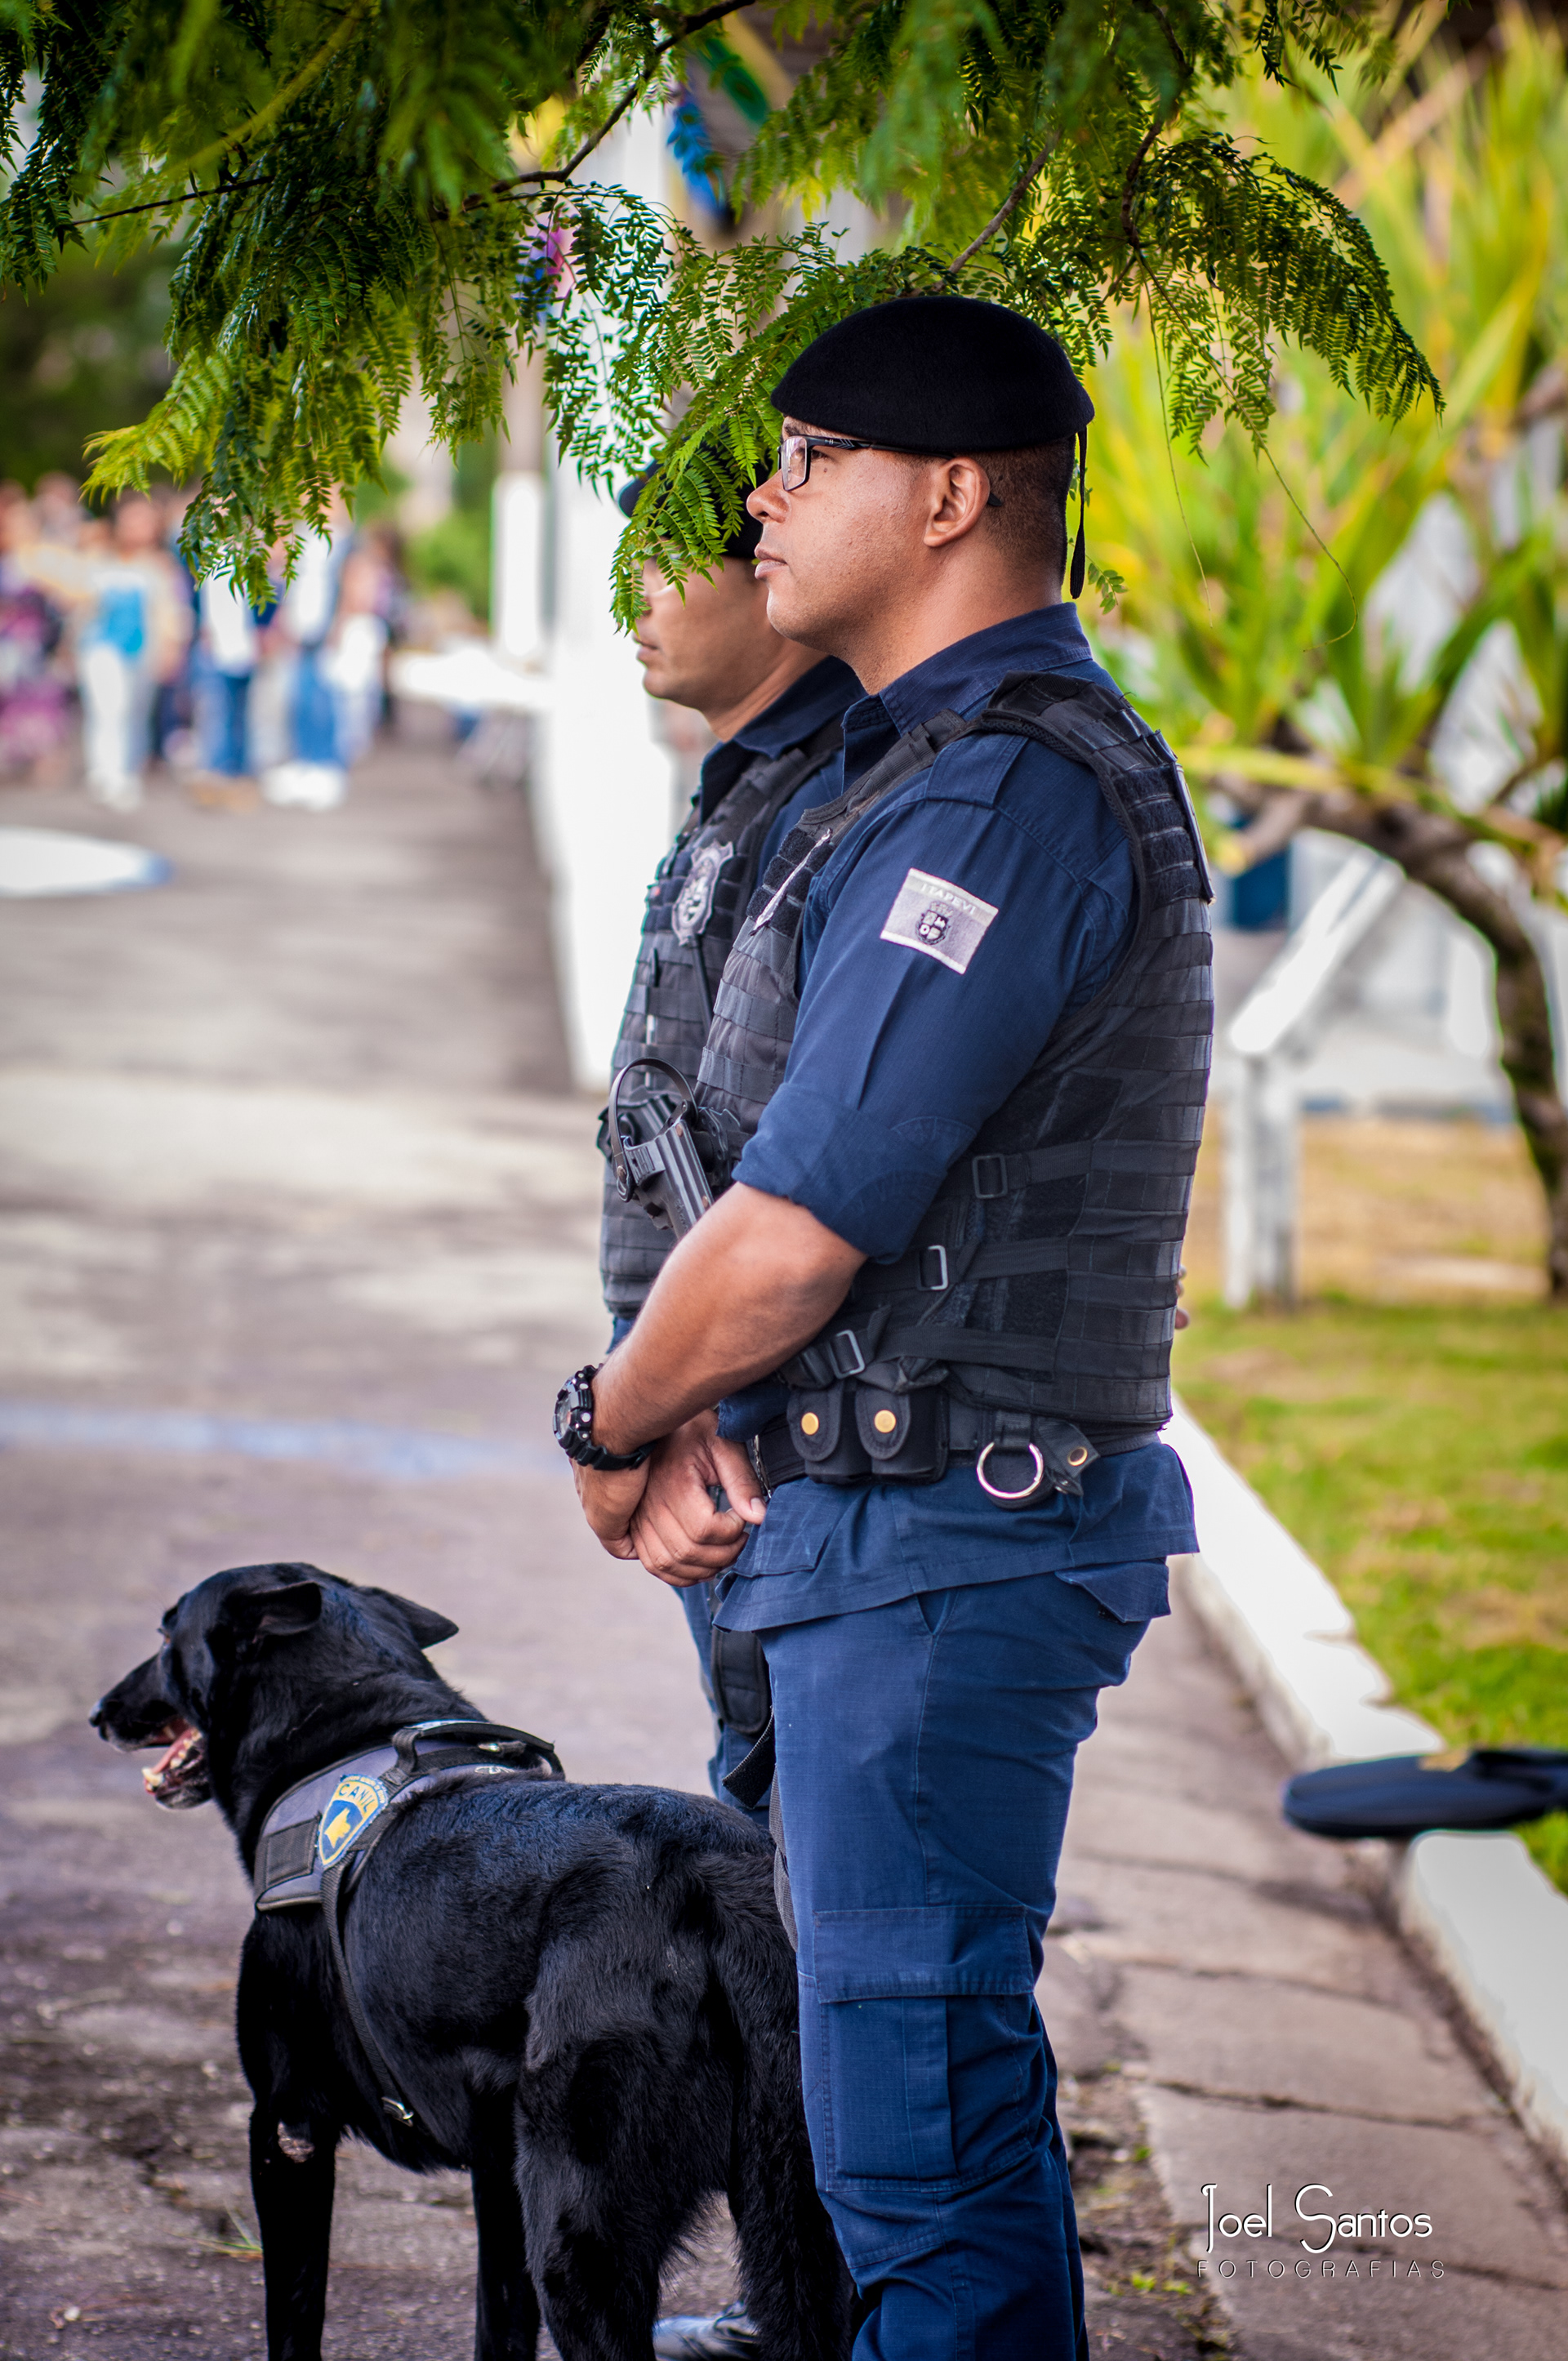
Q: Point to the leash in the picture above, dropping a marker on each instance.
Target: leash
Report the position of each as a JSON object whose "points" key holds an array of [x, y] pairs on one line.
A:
{"points": [[319, 1835]]}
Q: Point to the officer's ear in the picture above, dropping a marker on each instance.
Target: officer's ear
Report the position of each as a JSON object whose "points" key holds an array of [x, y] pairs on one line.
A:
{"points": [[280, 1612], [426, 1627]]}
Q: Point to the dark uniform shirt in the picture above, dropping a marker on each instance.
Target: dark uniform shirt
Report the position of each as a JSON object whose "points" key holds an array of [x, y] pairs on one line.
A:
{"points": [[791, 719], [899, 1055]]}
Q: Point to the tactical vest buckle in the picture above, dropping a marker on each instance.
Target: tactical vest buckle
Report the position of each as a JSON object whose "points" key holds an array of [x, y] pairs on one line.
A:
{"points": [[840, 1347], [990, 1174], [933, 1259]]}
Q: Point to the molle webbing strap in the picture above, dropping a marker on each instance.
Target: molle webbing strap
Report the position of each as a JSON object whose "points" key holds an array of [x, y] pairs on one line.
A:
{"points": [[704, 882]]}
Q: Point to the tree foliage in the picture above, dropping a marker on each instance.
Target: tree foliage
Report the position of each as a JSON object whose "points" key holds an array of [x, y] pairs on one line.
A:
{"points": [[1269, 610], [372, 192]]}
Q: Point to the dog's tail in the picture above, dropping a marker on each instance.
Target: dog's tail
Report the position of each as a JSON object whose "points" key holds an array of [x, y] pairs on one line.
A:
{"points": [[791, 2275]]}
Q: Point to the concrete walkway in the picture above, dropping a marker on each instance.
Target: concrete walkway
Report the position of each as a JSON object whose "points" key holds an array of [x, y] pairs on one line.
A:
{"points": [[296, 1240], [1280, 2039]]}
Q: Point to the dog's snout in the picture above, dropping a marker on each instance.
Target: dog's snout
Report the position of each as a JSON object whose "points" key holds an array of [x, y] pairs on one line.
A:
{"points": [[96, 1718]]}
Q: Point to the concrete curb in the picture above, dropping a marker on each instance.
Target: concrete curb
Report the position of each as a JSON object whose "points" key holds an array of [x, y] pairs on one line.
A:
{"points": [[1475, 1906]]}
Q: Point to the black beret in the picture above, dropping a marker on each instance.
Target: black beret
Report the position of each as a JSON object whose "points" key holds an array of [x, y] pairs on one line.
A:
{"points": [[742, 541], [937, 373]]}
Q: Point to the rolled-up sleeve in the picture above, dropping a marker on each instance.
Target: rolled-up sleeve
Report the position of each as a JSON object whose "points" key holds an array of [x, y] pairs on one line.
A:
{"points": [[920, 1014]]}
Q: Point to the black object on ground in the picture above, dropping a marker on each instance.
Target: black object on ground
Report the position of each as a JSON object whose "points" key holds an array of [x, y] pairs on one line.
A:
{"points": [[1403, 1795]]}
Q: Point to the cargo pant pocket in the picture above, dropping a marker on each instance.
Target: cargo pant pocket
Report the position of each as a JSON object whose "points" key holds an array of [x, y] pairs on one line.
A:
{"points": [[921, 2026]]}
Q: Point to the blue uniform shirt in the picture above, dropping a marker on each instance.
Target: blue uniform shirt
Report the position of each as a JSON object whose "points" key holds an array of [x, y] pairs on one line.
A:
{"points": [[897, 1059], [797, 714]]}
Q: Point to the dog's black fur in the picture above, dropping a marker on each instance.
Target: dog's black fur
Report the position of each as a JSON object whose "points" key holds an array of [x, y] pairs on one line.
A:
{"points": [[586, 1992]]}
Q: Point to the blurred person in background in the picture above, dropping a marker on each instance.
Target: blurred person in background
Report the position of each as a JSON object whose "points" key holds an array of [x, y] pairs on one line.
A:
{"points": [[171, 737], [133, 624], [353, 661], [311, 774], [58, 514], [224, 663], [35, 710]]}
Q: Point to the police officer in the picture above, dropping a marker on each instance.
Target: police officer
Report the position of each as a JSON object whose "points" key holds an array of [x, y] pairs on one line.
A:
{"points": [[963, 1037], [775, 709]]}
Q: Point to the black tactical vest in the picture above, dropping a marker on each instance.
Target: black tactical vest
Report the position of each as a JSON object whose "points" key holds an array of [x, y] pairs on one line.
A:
{"points": [[695, 905], [1042, 1282]]}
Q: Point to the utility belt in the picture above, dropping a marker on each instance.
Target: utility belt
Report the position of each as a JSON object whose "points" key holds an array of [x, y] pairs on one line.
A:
{"points": [[852, 1433]]}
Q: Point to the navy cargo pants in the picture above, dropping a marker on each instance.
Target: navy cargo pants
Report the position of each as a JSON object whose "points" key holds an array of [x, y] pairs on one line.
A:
{"points": [[925, 1764]]}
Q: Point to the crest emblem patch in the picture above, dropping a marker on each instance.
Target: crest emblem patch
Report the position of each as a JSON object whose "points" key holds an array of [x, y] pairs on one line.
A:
{"points": [[354, 1802], [932, 915], [693, 904]]}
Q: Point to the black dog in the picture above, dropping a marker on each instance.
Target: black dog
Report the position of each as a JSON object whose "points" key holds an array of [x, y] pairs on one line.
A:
{"points": [[585, 1992]]}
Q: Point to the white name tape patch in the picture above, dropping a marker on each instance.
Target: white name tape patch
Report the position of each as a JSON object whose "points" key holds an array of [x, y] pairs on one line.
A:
{"points": [[931, 916]]}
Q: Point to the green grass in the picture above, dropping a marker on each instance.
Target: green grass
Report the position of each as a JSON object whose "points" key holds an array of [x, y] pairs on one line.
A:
{"points": [[1421, 1458]]}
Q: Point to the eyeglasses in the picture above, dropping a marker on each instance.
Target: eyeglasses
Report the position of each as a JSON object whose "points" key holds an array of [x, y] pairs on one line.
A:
{"points": [[795, 450]]}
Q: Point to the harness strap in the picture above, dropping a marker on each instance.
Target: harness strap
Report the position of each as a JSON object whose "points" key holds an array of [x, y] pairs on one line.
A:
{"points": [[340, 1881], [450, 1749], [333, 1897]]}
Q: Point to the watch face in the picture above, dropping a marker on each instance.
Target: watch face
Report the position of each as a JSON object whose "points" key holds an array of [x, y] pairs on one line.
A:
{"points": [[565, 1404]]}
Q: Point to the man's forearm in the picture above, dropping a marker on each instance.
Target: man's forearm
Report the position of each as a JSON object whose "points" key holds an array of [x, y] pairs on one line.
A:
{"points": [[748, 1285]]}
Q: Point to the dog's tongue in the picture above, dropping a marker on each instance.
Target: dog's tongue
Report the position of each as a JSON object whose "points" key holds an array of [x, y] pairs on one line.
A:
{"points": [[154, 1774]]}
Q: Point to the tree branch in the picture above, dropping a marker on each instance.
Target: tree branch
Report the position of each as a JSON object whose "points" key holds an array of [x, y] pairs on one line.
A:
{"points": [[1432, 848], [154, 204], [1019, 187], [497, 189], [564, 171], [260, 121], [1130, 184]]}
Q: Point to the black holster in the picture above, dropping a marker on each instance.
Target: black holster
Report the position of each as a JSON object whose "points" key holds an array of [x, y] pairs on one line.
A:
{"points": [[743, 1695]]}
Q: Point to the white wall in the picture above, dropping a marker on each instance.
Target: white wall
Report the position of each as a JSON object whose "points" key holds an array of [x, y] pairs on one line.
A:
{"points": [[603, 782]]}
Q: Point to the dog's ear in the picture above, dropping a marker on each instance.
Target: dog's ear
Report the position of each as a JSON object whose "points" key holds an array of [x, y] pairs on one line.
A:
{"points": [[280, 1613], [425, 1626]]}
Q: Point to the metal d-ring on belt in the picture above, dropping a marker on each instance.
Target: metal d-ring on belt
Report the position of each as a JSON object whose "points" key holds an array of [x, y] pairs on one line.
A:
{"points": [[1077, 1457]]}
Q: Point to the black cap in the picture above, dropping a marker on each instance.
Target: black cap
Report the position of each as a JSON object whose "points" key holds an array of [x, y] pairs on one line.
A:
{"points": [[937, 373], [742, 541], [942, 373]]}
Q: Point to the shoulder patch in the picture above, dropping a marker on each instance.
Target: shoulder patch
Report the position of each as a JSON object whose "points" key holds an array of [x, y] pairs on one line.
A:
{"points": [[930, 916]]}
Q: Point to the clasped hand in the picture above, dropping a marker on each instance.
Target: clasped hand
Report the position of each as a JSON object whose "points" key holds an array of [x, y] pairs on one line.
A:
{"points": [[662, 1512]]}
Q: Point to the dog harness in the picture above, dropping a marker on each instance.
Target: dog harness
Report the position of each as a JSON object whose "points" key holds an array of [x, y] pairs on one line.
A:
{"points": [[319, 1833]]}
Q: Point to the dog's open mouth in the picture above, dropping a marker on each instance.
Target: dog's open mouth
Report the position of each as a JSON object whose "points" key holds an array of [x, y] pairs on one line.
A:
{"points": [[179, 1778]]}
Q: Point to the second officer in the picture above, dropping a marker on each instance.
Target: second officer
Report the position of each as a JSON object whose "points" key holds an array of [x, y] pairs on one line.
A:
{"points": [[774, 707]]}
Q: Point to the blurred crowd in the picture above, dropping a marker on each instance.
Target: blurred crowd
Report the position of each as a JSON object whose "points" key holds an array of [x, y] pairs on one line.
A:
{"points": [[102, 624]]}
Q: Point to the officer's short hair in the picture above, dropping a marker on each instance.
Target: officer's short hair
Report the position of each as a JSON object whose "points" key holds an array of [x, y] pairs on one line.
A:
{"points": [[1033, 486]]}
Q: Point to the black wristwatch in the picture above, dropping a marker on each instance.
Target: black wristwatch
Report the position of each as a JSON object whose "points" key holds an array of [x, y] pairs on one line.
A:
{"points": [[574, 1426]]}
